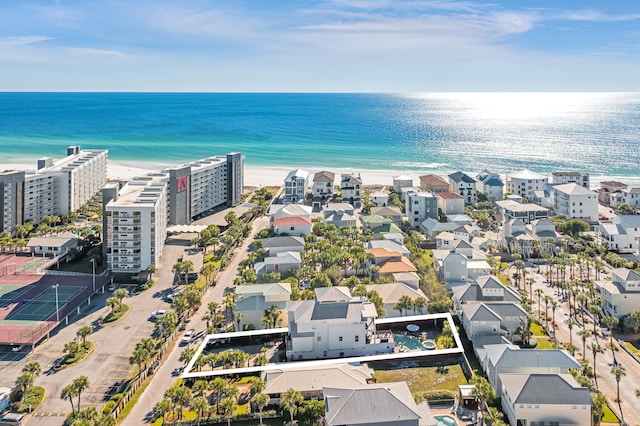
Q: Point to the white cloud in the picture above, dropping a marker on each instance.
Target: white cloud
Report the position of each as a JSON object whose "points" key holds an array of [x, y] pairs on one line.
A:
{"points": [[21, 41], [87, 51]]}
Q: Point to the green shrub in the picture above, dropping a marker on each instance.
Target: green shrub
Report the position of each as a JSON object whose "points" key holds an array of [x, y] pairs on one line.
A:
{"points": [[32, 398], [108, 407], [435, 395]]}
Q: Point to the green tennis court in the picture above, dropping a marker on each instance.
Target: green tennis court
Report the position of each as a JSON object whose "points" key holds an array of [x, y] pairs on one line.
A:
{"points": [[11, 294], [44, 306]]}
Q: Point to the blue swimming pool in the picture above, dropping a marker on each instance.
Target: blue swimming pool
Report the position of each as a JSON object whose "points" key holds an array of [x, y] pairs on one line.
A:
{"points": [[413, 343], [445, 421]]}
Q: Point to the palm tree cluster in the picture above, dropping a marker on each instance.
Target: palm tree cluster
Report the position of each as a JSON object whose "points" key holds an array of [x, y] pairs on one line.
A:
{"points": [[144, 350], [115, 301], [406, 304], [81, 417]]}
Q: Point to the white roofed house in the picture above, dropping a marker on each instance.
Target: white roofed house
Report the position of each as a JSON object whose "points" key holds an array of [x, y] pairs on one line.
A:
{"points": [[622, 294], [255, 299], [379, 198], [352, 189], [402, 181], [375, 404], [282, 262], [295, 185], [320, 330], [622, 234], [574, 201], [54, 245], [549, 399], [464, 185], [524, 182], [323, 183], [628, 196]]}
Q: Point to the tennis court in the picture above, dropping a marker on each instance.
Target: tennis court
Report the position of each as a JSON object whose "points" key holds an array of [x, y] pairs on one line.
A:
{"points": [[43, 306], [10, 294]]}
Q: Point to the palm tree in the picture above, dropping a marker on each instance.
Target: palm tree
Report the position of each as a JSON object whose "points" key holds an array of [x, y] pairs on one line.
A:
{"points": [[228, 406], [163, 407], [584, 334], [217, 387], [547, 299], [151, 269], [539, 293], [618, 372], [239, 316], [83, 332], [289, 400], [482, 390], [199, 405], [138, 357], [570, 323], [260, 401], [182, 397], [271, 315], [24, 382], [186, 355], [80, 383], [69, 392], [120, 294], [554, 306], [595, 349], [33, 368], [113, 303], [404, 304], [257, 386], [610, 322]]}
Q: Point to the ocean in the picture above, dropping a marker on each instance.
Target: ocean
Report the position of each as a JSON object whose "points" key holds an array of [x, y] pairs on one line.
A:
{"points": [[597, 133]]}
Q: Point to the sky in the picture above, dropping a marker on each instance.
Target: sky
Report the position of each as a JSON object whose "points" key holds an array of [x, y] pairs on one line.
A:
{"points": [[319, 45]]}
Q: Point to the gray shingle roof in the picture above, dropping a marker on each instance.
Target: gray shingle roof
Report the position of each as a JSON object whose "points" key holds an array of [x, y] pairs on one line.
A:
{"points": [[556, 389], [461, 177]]}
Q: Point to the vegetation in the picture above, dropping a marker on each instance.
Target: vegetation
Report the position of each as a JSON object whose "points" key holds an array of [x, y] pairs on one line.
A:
{"points": [[75, 352], [419, 377]]}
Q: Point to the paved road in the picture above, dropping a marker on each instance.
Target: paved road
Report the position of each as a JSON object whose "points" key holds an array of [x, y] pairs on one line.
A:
{"points": [[629, 405], [168, 373], [109, 363]]}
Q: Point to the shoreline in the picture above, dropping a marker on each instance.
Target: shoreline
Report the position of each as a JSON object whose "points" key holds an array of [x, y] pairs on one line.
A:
{"points": [[274, 175]]}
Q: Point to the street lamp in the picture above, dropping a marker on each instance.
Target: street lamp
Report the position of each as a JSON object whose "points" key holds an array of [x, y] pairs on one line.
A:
{"points": [[93, 275], [57, 305]]}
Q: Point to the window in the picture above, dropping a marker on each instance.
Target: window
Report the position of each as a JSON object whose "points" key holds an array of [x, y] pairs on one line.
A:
{"points": [[340, 339], [292, 228], [319, 338], [357, 338]]}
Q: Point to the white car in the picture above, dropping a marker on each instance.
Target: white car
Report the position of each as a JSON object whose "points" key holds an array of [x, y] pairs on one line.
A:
{"points": [[188, 335], [157, 314]]}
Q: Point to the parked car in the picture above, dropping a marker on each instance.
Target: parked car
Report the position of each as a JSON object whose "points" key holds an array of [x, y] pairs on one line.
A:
{"points": [[188, 336], [157, 314]]}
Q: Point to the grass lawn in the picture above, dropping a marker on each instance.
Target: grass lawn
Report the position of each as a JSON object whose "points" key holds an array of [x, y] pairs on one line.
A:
{"points": [[32, 398], [116, 314], [543, 343], [537, 330], [420, 378], [503, 279], [70, 360], [609, 416]]}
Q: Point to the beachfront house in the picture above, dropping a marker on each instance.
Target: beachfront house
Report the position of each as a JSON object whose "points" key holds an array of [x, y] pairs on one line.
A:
{"points": [[295, 186], [323, 184], [352, 189], [545, 399], [375, 404], [524, 182], [622, 294], [465, 185], [561, 178], [433, 183], [402, 181], [254, 299]]}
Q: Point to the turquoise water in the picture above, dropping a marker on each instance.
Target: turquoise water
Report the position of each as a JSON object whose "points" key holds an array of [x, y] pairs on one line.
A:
{"points": [[593, 132], [445, 421], [410, 342]]}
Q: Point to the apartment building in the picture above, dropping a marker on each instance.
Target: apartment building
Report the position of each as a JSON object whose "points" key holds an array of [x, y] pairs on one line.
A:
{"points": [[525, 182], [420, 206], [561, 178], [54, 188]]}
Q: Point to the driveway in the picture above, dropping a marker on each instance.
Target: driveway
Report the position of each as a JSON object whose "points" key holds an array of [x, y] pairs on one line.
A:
{"points": [[169, 371]]}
